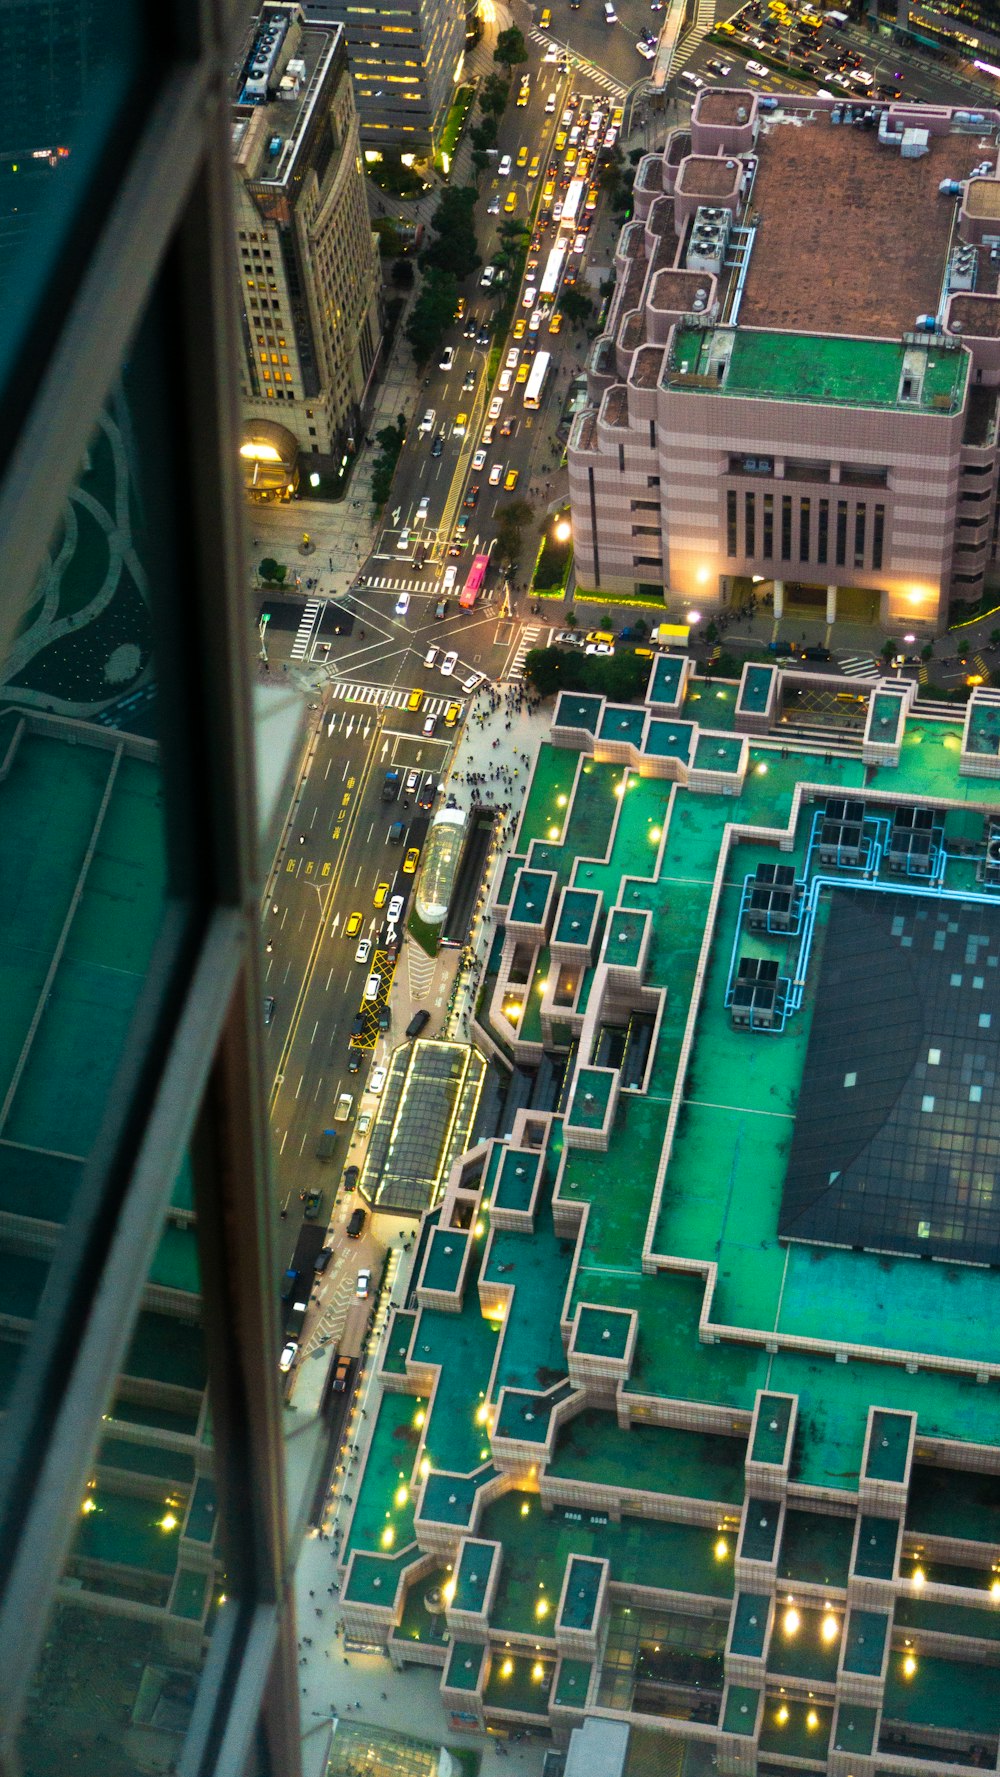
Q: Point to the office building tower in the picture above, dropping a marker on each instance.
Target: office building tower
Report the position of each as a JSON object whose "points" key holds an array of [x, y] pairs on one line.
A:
{"points": [[309, 264], [144, 1543], [406, 59], [796, 387]]}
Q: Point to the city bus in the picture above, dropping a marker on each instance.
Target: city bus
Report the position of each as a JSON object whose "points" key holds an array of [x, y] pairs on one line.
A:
{"points": [[573, 205], [552, 274], [474, 584], [536, 382]]}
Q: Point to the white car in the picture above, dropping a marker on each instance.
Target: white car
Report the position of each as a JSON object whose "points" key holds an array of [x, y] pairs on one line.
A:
{"points": [[488, 432], [550, 104], [610, 15], [493, 207], [363, 1124], [599, 648], [759, 69], [403, 543], [693, 80], [530, 292], [363, 1284], [479, 460], [287, 1358], [580, 242], [552, 53], [431, 656], [495, 408], [503, 170], [861, 77], [506, 382], [412, 783], [537, 317], [450, 576], [448, 359], [495, 474], [510, 362], [422, 509], [472, 683], [646, 50], [557, 210], [363, 951], [394, 910], [449, 664], [487, 275], [402, 604], [376, 1080], [427, 423], [428, 726]]}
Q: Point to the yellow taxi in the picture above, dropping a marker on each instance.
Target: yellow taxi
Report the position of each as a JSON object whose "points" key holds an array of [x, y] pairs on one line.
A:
{"points": [[510, 203], [536, 161], [549, 192], [600, 635], [450, 718], [617, 116], [410, 860], [522, 373], [546, 19], [414, 700], [510, 480], [460, 308], [570, 160], [561, 138], [522, 155], [556, 321], [584, 165], [520, 327], [524, 92], [353, 926], [592, 196], [381, 895]]}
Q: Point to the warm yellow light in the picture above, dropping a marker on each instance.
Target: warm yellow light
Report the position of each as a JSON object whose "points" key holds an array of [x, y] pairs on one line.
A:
{"points": [[482, 1414], [168, 1521], [563, 531], [449, 1591], [525, 1509], [388, 1537], [721, 1549], [909, 1666], [782, 1715], [812, 1719], [791, 1621], [829, 1628], [655, 834], [702, 576], [542, 1608], [995, 1589], [974, 679], [506, 1669], [480, 1230], [419, 1417], [538, 1672], [918, 1577], [425, 1466], [89, 1505], [402, 1495], [561, 801], [553, 832], [259, 453]]}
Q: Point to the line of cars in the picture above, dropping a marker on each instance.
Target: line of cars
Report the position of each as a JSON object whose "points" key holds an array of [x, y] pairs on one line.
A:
{"points": [[807, 41]]}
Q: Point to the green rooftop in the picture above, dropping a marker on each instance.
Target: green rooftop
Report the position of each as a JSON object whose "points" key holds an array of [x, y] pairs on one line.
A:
{"points": [[771, 1432], [816, 1546], [947, 1619], [750, 1624], [943, 1694], [574, 711], [650, 1458], [804, 1653], [742, 1702], [531, 898], [984, 726], [622, 722], [445, 1258], [876, 1556], [602, 1332], [823, 368], [665, 683], [582, 1587], [887, 715], [572, 1683], [795, 1728], [717, 752], [625, 934], [667, 739], [465, 1665], [576, 917], [591, 1097], [855, 1729], [518, 1171], [756, 692], [473, 1575], [864, 1642], [519, 1682], [760, 1530], [888, 1446]]}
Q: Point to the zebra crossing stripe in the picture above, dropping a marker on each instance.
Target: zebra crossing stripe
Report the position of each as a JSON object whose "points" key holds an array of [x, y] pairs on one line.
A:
{"points": [[860, 666], [387, 696], [304, 633]]}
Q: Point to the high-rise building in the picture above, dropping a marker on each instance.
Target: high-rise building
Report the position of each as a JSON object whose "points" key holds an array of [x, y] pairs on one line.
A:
{"points": [[406, 58], [309, 264], [797, 382], [144, 1552]]}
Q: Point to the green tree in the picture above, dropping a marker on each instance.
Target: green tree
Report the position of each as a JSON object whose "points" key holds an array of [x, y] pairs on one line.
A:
{"points": [[272, 572], [432, 314], [576, 304], [511, 48], [390, 241], [453, 247], [480, 161], [483, 135], [546, 670], [511, 521], [494, 95], [570, 618]]}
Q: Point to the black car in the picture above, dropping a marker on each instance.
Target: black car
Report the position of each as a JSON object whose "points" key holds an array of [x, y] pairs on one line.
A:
{"points": [[417, 1022], [427, 791], [350, 1178], [268, 1009], [356, 1224], [441, 608], [816, 654], [438, 446], [354, 1061], [357, 1024], [322, 1259]]}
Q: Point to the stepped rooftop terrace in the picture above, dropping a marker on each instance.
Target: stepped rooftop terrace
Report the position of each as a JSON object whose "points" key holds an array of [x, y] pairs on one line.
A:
{"points": [[652, 1363]]}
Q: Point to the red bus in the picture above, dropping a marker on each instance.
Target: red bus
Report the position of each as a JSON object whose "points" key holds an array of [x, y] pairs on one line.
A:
{"points": [[474, 584]]}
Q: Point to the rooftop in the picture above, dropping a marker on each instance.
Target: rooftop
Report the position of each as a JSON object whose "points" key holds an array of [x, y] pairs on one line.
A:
{"points": [[724, 107], [852, 237], [982, 199], [704, 175], [830, 369]]}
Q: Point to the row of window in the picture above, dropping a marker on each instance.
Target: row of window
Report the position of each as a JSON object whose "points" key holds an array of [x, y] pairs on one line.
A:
{"points": [[806, 469], [805, 530]]}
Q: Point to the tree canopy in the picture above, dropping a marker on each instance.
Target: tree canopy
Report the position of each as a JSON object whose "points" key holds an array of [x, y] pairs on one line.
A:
{"points": [[432, 313], [453, 247], [511, 48]]}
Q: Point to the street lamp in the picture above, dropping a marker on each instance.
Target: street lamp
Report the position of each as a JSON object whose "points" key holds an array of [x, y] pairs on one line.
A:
{"points": [[563, 530]]}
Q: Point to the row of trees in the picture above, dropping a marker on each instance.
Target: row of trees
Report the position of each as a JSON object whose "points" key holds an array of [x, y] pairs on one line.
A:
{"points": [[390, 443], [619, 676]]}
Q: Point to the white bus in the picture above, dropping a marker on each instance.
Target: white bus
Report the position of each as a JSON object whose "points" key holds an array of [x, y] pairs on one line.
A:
{"points": [[552, 274], [536, 382], [573, 205]]}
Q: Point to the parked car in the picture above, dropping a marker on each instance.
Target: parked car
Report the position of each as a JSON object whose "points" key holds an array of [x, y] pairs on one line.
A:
{"points": [[449, 663], [287, 1358]]}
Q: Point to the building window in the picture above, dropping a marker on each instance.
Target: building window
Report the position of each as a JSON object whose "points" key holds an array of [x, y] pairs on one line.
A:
{"points": [[786, 527], [731, 522], [860, 524], [823, 531], [621, 459], [652, 434], [652, 481], [768, 549], [750, 524], [841, 533], [804, 523]]}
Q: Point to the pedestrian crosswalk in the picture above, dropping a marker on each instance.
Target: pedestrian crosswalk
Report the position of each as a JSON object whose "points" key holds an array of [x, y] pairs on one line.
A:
{"points": [[389, 697], [581, 67], [380, 583], [860, 666], [304, 633], [529, 639]]}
